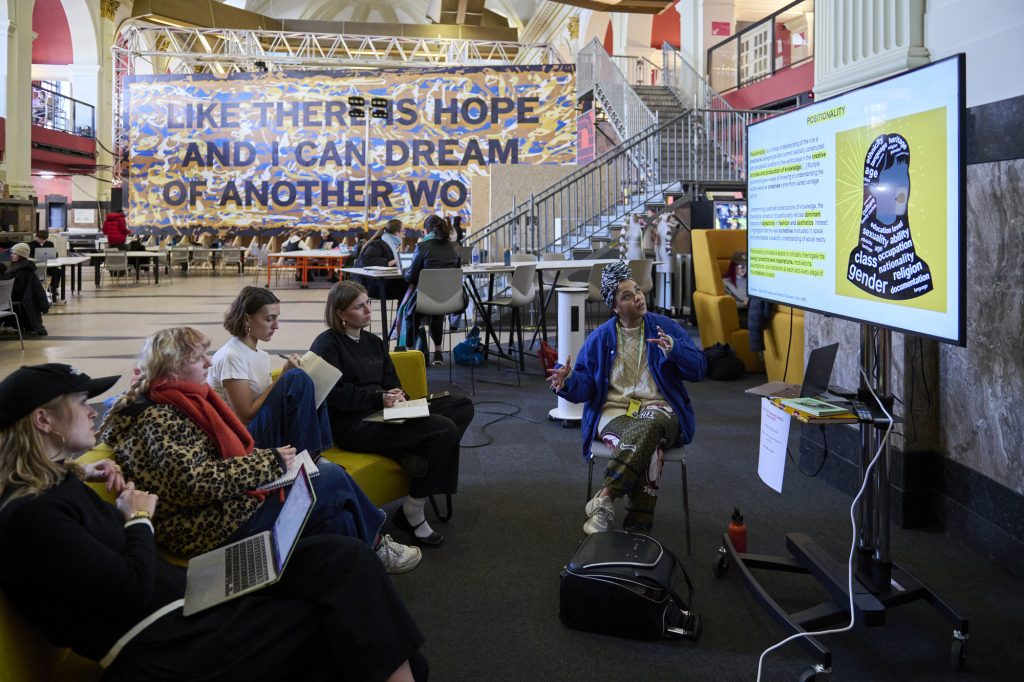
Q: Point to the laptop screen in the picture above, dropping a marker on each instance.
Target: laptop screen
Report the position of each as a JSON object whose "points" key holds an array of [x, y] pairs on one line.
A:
{"points": [[819, 370], [292, 518]]}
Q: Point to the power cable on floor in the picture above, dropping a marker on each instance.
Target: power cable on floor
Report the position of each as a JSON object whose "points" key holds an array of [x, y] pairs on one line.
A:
{"points": [[500, 416]]}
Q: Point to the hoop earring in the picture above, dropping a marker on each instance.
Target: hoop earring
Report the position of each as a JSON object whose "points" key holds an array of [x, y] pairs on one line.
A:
{"points": [[245, 329]]}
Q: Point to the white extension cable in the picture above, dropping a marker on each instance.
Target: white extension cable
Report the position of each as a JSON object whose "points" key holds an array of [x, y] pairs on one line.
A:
{"points": [[853, 543]]}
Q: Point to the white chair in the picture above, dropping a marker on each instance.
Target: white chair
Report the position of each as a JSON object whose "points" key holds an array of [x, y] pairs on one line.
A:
{"points": [[439, 292], [599, 449], [231, 255], [177, 256], [61, 244], [7, 306], [549, 276], [640, 270], [522, 291], [115, 262], [594, 287], [202, 255]]}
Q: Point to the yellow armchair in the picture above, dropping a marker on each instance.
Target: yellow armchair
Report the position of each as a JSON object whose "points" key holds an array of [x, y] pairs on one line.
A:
{"points": [[717, 315], [784, 338]]}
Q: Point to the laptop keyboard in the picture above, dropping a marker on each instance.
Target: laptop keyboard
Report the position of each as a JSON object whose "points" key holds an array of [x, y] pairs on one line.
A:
{"points": [[789, 392], [245, 565]]}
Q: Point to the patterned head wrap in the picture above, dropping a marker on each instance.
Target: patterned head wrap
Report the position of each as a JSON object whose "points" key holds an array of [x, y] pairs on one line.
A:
{"points": [[613, 275]]}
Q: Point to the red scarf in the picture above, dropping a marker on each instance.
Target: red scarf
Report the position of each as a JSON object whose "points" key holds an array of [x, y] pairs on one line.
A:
{"points": [[203, 406]]}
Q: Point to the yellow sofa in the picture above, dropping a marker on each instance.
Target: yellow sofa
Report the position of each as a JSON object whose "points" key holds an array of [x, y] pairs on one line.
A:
{"points": [[784, 331], [26, 657], [717, 315]]}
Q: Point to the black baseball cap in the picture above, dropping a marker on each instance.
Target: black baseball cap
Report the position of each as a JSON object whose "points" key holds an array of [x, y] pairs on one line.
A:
{"points": [[32, 386]]}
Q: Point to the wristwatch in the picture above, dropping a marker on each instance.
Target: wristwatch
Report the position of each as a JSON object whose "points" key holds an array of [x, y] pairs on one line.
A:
{"points": [[139, 514]]}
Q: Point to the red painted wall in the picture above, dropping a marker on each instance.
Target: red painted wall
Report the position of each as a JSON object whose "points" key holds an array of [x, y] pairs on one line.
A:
{"points": [[54, 185], [609, 42], [783, 84], [665, 28], [53, 44]]}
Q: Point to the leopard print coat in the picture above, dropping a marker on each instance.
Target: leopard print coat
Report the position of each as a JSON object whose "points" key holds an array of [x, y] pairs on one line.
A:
{"points": [[203, 496]]}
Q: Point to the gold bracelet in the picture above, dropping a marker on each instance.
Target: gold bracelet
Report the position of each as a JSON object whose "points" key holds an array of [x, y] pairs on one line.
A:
{"points": [[139, 514]]}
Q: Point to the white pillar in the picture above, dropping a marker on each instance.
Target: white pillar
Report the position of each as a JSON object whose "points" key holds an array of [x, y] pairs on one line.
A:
{"points": [[691, 37], [86, 87], [859, 41], [714, 12], [17, 74]]}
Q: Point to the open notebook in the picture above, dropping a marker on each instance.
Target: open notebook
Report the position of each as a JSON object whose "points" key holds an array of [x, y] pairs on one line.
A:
{"points": [[301, 459], [410, 409], [324, 375]]}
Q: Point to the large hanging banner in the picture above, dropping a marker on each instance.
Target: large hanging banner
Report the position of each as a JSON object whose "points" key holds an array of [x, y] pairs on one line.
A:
{"points": [[274, 152]]}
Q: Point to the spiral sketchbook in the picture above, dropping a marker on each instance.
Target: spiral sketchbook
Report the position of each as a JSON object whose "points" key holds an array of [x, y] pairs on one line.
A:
{"points": [[293, 471]]}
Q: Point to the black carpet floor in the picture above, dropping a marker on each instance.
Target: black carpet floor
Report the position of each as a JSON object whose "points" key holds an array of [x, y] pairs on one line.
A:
{"points": [[487, 601]]}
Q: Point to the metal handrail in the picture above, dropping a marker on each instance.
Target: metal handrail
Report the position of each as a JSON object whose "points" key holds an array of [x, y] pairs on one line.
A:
{"points": [[585, 202], [687, 83], [626, 111], [735, 42], [717, 136], [51, 109], [636, 69]]}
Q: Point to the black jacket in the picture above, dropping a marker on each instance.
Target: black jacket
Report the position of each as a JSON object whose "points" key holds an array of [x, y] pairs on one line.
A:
{"points": [[29, 293], [375, 253], [68, 533], [432, 254]]}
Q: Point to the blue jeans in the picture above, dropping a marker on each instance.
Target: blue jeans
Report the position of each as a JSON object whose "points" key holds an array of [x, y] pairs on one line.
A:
{"points": [[289, 416], [341, 507]]}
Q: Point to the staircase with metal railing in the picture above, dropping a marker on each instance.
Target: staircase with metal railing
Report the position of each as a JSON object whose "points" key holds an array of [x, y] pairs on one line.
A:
{"points": [[677, 136]]}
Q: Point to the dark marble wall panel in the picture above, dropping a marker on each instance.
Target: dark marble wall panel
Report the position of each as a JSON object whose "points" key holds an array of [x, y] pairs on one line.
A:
{"points": [[982, 424]]}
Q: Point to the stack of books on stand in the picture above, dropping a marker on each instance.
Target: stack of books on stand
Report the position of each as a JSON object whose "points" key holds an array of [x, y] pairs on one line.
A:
{"points": [[814, 411]]}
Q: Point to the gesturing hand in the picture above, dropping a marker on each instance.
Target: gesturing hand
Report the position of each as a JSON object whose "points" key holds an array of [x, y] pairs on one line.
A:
{"points": [[663, 340], [556, 377], [107, 471]]}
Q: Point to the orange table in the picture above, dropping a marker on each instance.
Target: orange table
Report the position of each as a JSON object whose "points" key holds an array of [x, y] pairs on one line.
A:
{"points": [[304, 261]]}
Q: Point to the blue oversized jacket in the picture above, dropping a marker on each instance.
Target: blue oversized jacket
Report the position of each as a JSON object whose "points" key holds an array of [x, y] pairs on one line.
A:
{"points": [[588, 382]]}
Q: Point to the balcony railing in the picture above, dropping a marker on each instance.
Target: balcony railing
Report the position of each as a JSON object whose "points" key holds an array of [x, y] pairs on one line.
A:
{"points": [[779, 41], [55, 111]]}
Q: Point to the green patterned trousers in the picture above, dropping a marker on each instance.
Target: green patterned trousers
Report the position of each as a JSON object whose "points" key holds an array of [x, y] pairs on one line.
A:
{"points": [[634, 471]]}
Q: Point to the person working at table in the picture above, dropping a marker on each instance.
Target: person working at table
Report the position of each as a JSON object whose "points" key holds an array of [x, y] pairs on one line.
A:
{"points": [[630, 375], [382, 251], [42, 242]]}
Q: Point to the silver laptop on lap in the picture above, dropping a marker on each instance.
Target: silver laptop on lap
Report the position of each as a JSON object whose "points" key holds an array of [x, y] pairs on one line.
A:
{"points": [[253, 563]]}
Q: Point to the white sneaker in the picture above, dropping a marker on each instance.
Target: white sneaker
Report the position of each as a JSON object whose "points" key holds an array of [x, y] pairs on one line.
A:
{"points": [[600, 514], [396, 557]]}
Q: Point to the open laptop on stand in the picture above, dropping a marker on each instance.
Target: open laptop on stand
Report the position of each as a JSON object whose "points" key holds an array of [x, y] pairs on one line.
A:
{"points": [[816, 377], [253, 563]]}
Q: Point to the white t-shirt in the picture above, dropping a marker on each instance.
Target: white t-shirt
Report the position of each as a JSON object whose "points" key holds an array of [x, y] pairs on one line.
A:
{"points": [[235, 360]]}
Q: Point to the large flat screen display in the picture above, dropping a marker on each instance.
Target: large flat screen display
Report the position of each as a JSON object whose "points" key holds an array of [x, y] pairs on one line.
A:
{"points": [[855, 204]]}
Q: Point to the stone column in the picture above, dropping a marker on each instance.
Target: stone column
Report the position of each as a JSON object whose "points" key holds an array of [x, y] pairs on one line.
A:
{"points": [[17, 72]]}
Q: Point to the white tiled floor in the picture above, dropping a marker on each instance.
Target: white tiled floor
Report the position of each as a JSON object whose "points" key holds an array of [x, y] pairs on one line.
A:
{"points": [[101, 330]]}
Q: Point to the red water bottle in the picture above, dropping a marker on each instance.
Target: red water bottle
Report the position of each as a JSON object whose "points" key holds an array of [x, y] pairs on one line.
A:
{"points": [[738, 531]]}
